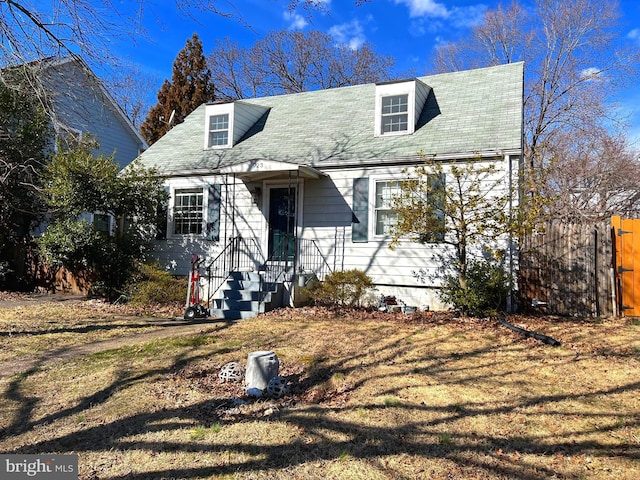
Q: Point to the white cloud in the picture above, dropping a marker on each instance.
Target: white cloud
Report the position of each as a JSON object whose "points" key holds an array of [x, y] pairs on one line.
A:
{"points": [[431, 17], [592, 74], [634, 34], [425, 8], [296, 21], [350, 34], [468, 16]]}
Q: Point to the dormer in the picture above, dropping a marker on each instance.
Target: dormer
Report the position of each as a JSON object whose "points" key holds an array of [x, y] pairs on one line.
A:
{"points": [[398, 106], [226, 123]]}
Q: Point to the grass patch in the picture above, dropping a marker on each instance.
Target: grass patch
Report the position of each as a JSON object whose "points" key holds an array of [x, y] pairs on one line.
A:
{"points": [[463, 399], [392, 402]]}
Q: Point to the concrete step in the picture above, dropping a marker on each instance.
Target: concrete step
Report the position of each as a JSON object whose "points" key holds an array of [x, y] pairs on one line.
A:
{"points": [[254, 295], [240, 305], [232, 314], [245, 295]]}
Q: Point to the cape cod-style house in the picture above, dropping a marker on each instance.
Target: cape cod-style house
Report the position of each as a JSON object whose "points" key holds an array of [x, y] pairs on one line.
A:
{"points": [[290, 187]]}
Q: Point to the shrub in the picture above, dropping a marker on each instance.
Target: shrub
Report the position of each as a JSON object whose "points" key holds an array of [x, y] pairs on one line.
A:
{"points": [[153, 285], [71, 243], [486, 292], [345, 288]]}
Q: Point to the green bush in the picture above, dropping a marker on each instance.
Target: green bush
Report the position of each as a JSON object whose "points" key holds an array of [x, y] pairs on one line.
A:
{"points": [[486, 292], [71, 243], [153, 285], [345, 288], [86, 252]]}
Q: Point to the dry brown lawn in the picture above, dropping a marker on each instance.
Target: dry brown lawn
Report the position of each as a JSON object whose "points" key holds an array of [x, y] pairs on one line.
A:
{"points": [[374, 396]]}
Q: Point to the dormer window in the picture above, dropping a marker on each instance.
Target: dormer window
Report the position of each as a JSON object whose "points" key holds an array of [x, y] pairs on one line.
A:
{"points": [[399, 106], [226, 123], [395, 114], [218, 130]]}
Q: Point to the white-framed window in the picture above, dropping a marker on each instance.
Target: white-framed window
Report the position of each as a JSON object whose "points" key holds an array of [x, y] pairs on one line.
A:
{"points": [[385, 217], [188, 211], [67, 137], [394, 114], [219, 130]]}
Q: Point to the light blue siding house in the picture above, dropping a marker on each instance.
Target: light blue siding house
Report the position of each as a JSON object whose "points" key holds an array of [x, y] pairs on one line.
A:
{"points": [[293, 186], [81, 105]]}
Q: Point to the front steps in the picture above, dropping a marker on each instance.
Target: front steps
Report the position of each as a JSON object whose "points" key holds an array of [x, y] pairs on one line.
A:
{"points": [[245, 295]]}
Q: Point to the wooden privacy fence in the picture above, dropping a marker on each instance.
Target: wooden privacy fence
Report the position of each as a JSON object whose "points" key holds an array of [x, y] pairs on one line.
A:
{"points": [[569, 270]]}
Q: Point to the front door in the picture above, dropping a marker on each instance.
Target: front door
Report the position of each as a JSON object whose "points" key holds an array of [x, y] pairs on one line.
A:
{"points": [[282, 223]]}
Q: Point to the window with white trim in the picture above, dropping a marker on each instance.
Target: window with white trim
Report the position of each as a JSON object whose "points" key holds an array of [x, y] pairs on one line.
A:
{"points": [[188, 211], [385, 216], [395, 114], [67, 138], [219, 130]]}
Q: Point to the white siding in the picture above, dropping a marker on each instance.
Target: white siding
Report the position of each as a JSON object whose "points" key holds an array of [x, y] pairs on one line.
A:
{"points": [[244, 117], [410, 271], [411, 268], [174, 253]]}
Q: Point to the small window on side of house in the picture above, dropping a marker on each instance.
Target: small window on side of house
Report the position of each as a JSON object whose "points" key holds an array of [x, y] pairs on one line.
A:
{"points": [[188, 211], [395, 114], [219, 130]]}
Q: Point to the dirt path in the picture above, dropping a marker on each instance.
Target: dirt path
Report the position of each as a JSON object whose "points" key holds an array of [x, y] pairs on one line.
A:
{"points": [[170, 328]]}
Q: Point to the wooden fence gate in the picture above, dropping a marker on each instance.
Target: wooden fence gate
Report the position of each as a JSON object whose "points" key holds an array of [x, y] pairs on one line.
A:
{"points": [[568, 270], [626, 233]]}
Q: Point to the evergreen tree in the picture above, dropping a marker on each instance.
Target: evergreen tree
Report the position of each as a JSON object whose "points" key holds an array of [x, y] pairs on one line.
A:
{"points": [[190, 87]]}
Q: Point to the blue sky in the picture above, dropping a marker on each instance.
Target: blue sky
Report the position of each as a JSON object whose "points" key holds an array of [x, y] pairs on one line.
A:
{"points": [[408, 30], [405, 29]]}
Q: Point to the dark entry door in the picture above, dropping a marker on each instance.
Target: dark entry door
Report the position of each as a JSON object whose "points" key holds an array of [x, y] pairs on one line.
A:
{"points": [[282, 223]]}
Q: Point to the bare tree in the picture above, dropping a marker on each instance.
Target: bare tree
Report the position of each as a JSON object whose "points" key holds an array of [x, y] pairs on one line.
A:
{"points": [[131, 87], [575, 63], [290, 62], [30, 31], [593, 177]]}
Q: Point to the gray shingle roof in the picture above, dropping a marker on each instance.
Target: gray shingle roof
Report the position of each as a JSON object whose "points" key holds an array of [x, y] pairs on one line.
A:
{"points": [[466, 112]]}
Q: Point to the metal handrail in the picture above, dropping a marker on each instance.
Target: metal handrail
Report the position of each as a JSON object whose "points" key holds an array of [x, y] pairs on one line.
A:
{"points": [[273, 266], [229, 260], [241, 253], [312, 259]]}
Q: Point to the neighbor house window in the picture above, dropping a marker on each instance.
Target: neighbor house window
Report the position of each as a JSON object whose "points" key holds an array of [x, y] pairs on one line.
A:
{"points": [[188, 211], [219, 130], [385, 216], [395, 114], [68, 138], [102, 222]]}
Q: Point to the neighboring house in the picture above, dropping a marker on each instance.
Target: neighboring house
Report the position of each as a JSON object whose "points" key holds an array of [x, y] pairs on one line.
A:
{"points": [[300, 184], [80, 105]]}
